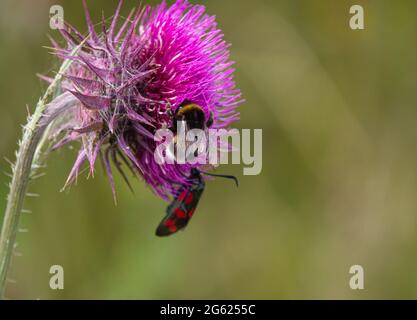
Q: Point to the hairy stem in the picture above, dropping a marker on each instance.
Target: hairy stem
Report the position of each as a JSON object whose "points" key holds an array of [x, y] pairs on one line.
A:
{"points": [[29, 149]]}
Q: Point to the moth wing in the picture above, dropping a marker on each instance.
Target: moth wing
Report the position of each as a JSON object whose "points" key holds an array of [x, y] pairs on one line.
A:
{"points": [[180, 211]]}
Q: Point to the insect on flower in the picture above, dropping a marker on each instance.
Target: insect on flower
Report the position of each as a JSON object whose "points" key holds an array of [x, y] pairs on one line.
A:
{"points": [[130, 77], [182, 208], [180, 211], [193, 115]]}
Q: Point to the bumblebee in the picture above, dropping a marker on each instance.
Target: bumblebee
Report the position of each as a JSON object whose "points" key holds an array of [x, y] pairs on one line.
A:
{"points": [[193, 115]]}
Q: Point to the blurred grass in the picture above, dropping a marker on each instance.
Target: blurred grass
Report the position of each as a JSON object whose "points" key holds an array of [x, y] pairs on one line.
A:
{"points": [[339, 166]]}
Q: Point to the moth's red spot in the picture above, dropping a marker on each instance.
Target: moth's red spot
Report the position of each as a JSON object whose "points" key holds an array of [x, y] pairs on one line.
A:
{"points": [[182, 196], [190, 214], [180, 214], [189, 198], [170, 224]]}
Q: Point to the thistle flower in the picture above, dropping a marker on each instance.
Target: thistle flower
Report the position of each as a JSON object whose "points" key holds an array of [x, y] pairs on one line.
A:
{"points": [[129, 80]]}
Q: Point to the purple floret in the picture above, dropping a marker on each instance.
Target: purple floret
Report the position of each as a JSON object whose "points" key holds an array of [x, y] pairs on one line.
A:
{"points": [[132, 75]]}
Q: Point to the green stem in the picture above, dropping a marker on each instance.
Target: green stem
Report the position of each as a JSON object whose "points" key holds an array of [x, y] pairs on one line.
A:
{"points": [[29, 147]]}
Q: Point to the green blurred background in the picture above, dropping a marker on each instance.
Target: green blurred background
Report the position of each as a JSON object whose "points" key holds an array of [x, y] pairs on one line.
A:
{"points": [[338, 187]]}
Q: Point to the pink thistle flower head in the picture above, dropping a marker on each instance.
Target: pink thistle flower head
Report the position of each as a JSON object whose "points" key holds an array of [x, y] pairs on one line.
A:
{"points": [[132, 75]]}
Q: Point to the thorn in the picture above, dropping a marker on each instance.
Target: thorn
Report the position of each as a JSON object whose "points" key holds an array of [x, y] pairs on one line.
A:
{"points": [[23, 230], [17, 254], [10, 281], [7, 174], [33, 195], [28, 110], [26, 211], [50, 48], [38, 166], [36, 176], [8, 161]]}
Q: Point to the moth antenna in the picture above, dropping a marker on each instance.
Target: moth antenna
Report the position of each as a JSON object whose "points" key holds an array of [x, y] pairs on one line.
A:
{"points": [[222, 176]]}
